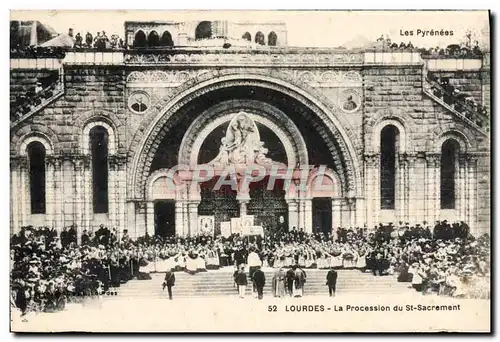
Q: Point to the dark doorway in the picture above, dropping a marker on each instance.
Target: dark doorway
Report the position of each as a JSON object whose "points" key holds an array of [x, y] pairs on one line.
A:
{"points": [[165, 218], [322, 215]]}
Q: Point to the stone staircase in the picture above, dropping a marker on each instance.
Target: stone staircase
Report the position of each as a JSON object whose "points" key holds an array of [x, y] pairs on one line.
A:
{"points": [[477, 120], [40, 101], [220, 283]]}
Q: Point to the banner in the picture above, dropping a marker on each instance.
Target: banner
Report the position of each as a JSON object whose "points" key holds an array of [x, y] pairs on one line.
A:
{"points": [[236, 225], [225, 229], [206, 225]]}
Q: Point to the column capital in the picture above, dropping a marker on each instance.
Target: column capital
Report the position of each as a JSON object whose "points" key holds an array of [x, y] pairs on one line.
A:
{"points": [[372, 160], [19, 161], [433, 159], [409, 158], [117, 161], [462, 158], [54, 160]]}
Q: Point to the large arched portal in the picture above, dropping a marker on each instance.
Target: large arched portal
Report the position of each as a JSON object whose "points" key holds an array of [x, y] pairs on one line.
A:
{"points": [[293, 135]]}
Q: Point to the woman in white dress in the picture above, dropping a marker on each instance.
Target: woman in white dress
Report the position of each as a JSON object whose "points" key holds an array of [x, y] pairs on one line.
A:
{"points": [[201, 265]]}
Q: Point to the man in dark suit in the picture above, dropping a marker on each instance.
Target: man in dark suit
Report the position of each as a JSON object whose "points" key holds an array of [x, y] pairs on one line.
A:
{"points": [[169, 282], [331, 281], [259, 280], [290, 276]]}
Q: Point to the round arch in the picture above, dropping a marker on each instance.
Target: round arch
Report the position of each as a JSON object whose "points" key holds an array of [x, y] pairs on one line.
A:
{"points": [[85, 138], [402, 130], [260, 112], [457, 136], [336, 192], [154, 185], [144, 141], [32, 137]]}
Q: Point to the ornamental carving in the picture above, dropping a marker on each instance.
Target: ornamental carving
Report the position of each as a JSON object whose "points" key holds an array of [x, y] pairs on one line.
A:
{"points": [[314, 59], [315, 78]]}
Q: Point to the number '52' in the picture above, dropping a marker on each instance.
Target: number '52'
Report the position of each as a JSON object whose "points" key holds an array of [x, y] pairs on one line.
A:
{"points": [[272, 308]]}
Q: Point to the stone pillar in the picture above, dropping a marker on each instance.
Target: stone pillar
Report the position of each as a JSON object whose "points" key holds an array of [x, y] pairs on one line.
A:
{"points": [[293, 213], [59, 192], [401, 188], [192, 207], [150, 218], [140, 218], [88, 203], [471, 216], [121, 185], [112, 188], [307, 207], [25, 205], [79, 197], [179, 218], [336, 214], [372, 190], [431, 187], [49, 191], [15, 197], [131, 225], [462, 187]]}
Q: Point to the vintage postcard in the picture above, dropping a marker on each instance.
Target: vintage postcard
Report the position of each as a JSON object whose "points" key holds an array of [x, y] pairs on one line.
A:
{"points": [[251, 171]]}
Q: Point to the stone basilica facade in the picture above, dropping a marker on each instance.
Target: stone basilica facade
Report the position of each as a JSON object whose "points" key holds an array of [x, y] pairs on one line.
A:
{"points": [[98, 147]]}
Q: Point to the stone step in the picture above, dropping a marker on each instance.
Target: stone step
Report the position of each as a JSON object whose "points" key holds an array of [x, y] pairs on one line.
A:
{"points": [[219, 283]]}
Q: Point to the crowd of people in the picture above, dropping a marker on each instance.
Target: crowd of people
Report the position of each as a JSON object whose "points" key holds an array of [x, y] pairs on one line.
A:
{"points": [[100, 41], [43, 90], [49, 268], [462, 50], [461, 102]]}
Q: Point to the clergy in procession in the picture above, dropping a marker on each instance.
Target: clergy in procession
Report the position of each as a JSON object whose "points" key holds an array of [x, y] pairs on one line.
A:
{"points": [[259, 280], [254, 263], [279, 283]]}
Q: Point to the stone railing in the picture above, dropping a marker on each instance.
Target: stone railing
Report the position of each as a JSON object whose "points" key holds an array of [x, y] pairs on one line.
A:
{"points": [[457, 106], [245, 57], [26, 106]]}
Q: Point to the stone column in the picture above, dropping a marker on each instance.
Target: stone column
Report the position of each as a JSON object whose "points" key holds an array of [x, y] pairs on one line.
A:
{"points": [[471, 216], [88, 203], [179, 218], [131, 225], [293, 212], [307, 207], [122, 191], [140, 218], [336, 214], [462, 187], [25, 205], [150, 218], [372, 190], [433, 190], [15, 195], [400, 191], [192, 207], [49, 191], [59, 193], [112, 189], [79, 197]]}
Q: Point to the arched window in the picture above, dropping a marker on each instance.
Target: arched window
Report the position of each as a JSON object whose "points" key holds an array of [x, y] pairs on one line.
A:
{"points": [[449, 156], [203, 30], [153, 39], [166, 39], [259, 38], [99, 150], [140, 39], [388, 150], [36, 157], [247, 36], [272, 39]]}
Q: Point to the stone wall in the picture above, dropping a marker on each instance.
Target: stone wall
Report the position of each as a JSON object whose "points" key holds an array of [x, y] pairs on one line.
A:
{"points": [[21, 80]]}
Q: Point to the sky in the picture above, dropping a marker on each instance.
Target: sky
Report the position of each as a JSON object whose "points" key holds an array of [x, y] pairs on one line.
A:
{"points": [[305, 28]]}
